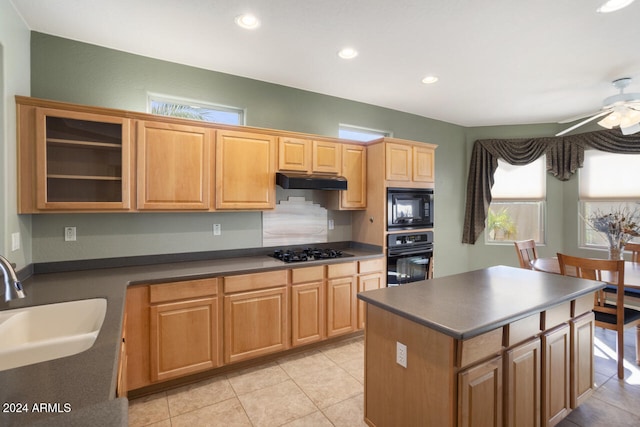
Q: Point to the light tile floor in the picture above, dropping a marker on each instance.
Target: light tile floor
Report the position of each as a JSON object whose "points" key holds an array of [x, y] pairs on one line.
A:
{"points": [[324, 387]]}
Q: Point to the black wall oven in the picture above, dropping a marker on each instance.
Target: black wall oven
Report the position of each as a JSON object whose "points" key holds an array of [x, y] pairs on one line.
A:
{"points": [[409, 257], [409, 208]]}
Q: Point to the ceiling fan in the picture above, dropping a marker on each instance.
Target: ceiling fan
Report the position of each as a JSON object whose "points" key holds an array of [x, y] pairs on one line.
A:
{"points": [[621, 110]]}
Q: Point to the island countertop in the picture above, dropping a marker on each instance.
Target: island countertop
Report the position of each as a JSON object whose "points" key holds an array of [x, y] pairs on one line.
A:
{"points": [[469, 304]]}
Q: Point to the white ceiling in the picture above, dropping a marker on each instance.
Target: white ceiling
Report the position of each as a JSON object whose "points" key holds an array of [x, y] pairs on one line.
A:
{"points": [[499, 61]]}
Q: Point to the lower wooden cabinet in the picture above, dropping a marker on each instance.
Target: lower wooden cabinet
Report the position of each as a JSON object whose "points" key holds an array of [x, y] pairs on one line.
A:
{"points": [[307, 305], [184, 338], [341, 298], [582, 354], [181, 328], [184, 328], [121, 382], [367, 282], [480, 395], [522, 385], [555, 375], [173, 329], [255, 321]]}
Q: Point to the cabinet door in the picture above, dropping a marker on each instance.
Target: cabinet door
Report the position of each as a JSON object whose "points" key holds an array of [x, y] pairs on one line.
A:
{"points": [[121, 383], [255, 323], [582, 354], [480, 395], [326, 157], [245, 170], [137, 334], [82, 161], [184, 338], [555, 375], [174, 163], [354, 168], [522, 383], [341, 306], [366, 283], [294, 154], [398, 162], [307, 313], [423, 164]]}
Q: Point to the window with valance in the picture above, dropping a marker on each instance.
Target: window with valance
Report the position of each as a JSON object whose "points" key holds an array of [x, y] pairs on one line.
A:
{"points": [[564, 156]]}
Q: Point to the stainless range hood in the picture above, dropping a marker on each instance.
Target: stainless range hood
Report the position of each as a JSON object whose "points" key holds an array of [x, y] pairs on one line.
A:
{"points": [[299, 181]]}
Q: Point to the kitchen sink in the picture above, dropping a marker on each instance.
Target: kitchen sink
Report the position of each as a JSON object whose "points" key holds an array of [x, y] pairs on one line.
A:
{"points": [[46, 332]]}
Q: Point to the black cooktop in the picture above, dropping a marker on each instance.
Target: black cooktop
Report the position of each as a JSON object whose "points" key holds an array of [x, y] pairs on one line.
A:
{"points": [[309, 254]]}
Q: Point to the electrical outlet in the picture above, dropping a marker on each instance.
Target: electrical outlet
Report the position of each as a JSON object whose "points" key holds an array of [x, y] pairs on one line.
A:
{"points": [[217, 229], [69, 234], [332, 225], [15, 241], [401, 354]]}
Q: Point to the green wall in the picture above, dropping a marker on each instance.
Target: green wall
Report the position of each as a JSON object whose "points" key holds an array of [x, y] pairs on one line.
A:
{"points": [[76, 72], [14, 79]]}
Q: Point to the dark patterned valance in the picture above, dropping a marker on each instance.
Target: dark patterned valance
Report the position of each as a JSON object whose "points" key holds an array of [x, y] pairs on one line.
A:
{"points": [[565, 154]]}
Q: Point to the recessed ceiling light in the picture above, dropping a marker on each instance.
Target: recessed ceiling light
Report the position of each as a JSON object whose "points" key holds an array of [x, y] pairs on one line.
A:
{"points": [[429, 79], [248, 21], [613, 5], [348, 53]]}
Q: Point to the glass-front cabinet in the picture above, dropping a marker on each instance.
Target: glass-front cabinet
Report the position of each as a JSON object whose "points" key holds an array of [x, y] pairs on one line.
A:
{"points": [[82, 160]]}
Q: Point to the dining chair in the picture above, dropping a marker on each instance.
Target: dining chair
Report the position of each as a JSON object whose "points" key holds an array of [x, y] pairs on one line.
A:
{"points": [[609, 316], [527, 252], [634, 248]]}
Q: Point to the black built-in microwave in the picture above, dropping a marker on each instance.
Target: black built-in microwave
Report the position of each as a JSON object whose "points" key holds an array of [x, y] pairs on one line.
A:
{"points": [[409, 208]]}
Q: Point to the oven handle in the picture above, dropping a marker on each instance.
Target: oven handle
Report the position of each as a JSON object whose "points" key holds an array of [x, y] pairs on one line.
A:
{"points": [[416, 252]]}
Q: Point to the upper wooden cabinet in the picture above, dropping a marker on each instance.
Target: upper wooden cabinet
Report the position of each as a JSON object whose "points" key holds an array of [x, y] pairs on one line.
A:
{"points": [[409, 162], [399, 165], [326, 157], [294, 154], [174, 166], [354, 168], [307, 156], [70, 160], [423, 164], [245, 170]]}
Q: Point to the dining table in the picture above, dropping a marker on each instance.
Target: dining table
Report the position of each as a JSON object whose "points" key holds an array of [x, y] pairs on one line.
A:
{"points": [[551, 265]]}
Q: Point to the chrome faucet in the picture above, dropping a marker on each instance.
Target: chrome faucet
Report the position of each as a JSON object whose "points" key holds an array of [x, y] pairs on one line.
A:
{"points": [[12, 286]]}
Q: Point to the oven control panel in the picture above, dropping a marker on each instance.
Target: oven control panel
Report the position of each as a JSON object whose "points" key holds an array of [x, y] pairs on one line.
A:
{"points": [[409, 239]]}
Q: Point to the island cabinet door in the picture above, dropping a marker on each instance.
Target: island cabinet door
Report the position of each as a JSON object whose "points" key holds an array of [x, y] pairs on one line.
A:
{"points": [[555, 375], [582, 369], [522, 385], [480, 395]]}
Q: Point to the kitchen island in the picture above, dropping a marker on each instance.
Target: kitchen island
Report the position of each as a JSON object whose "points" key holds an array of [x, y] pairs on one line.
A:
{"points": [[498, 346]]}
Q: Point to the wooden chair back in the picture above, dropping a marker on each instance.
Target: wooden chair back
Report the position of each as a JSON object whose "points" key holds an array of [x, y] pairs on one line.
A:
{"points": [[527, 252], [605, 270], [635, 251]]}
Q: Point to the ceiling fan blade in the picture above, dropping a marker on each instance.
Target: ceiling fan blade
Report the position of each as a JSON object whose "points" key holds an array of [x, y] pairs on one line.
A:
{"points": [[579, 117], [600, 114]]}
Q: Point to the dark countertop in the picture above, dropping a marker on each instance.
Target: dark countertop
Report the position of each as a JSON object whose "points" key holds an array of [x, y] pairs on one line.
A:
{"points": [[469, 304], [88, 379]]}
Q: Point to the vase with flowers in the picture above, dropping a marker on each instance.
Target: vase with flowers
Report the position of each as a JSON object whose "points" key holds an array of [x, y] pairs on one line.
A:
{"points": [[618, 227]]}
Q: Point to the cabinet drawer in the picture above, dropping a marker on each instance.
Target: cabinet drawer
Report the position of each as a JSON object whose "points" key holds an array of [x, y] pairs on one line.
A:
{"points": [[183, 290], [582, 305], [341, 270], [308, 274], [556, 315], [522, 330], [479, 347], [251, 282], [371, 266]]}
